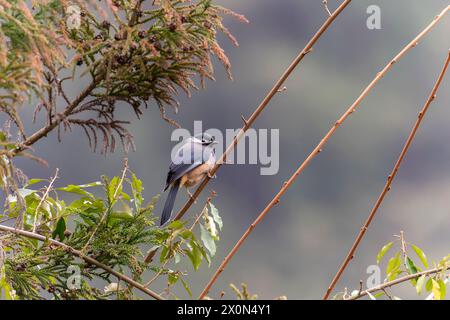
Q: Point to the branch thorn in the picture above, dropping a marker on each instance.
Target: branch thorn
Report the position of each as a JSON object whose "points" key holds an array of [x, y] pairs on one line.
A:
{"points": [[245, 120]]}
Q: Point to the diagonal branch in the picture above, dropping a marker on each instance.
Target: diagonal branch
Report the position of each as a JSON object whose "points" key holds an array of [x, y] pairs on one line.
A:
{"points": [[88, 259], [391, 177], [317, 150], [389, 284], [275, 89], [248, 123]]}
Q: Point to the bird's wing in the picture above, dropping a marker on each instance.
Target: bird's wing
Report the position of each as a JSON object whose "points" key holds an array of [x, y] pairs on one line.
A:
{"points": [[189, 157]]}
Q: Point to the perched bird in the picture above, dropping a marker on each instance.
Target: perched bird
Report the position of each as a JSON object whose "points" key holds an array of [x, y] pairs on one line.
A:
{"points": [[192, 164]]}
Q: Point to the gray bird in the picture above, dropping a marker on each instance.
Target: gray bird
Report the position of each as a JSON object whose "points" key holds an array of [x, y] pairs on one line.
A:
{"points": [[193, 162]]}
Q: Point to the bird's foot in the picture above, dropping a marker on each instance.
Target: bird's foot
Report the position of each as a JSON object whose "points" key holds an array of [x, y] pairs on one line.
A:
{"points": [[211, 176]]}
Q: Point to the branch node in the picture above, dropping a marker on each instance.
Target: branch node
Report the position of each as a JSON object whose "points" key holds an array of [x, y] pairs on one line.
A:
{"points": [[244, 120], [281, 89], [325, 4]]}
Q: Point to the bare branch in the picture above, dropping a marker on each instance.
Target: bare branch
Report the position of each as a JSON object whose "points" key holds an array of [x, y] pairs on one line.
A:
{"points": [[313, 154], [275, 89], [391, 177], [249, 122]]}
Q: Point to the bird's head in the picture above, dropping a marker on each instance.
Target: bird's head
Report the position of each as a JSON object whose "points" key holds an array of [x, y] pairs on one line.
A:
{"points": [[205, 139]]}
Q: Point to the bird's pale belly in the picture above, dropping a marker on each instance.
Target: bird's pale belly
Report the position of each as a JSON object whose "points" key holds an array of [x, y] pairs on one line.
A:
{"points": [[196, 175]]}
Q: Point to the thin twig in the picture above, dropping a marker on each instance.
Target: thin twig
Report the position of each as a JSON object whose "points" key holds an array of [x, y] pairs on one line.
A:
{"points": [[79, 254], [156, 276], [389, 284], [390, 178], [361, 284], [249, 122], [47, 191], [403, 243], [202, 212], [325, 4], [314, 153], [387, 294]]}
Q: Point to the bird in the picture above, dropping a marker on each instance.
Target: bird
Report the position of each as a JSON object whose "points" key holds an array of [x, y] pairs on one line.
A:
{"points": [[193, 162]]}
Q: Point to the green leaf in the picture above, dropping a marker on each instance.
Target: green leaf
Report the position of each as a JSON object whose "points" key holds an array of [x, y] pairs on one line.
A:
{"points": [[24, 192], [163, 255], [203, 252], [216, 216], [124, 214], [172, 278], [186, 287], [420, 283], [186, 233], [378, 294], [91, 184], [71, 188], [136, 184], [175, 225], [210, 225], [421, 255], [410, 266], [444, 261], [136, 187], [393, 266], [125, 196], [208, 240], [383, 251], [114, 189], [429, 285], [176, 257], [442, 288], [59, 230], [7, 288], [194, 254], [33, 181], [438, 289]]}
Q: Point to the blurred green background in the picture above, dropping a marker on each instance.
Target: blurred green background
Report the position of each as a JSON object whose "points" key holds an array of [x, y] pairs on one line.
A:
{"points": [[297, 249]]}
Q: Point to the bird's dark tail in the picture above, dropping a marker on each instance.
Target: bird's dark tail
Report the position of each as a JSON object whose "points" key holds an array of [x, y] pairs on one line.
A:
{"points": [[170, 201]]}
